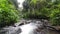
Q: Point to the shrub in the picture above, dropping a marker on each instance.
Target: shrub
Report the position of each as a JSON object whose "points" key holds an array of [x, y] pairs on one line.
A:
{"points": [[44, 8], [8, 13]]}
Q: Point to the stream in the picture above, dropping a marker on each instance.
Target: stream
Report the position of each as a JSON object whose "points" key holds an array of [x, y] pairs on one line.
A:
{"points": [[29, 27]]}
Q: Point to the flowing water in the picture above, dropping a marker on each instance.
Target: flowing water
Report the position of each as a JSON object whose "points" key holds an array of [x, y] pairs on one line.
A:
{"points": [[31, 27]]}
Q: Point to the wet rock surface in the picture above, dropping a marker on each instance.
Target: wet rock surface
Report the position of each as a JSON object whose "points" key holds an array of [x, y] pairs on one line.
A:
{"points": [[10, 30], [43, 27]]}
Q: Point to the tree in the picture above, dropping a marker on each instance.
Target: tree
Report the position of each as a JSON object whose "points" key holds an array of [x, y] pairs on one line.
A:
{"points": [[8, 13], [43, 8]]}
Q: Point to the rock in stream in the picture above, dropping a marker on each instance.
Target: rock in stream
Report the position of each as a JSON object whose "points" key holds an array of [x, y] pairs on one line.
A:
{"points": [[29, 27]]}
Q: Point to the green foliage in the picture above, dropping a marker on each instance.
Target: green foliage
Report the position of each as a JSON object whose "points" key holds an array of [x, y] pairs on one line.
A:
{"points": [[44, 8], [8, 13]]}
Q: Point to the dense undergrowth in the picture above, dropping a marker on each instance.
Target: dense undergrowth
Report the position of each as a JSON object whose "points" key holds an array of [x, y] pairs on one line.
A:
{"points": [[33, 9], [43, 9], [8, 13]]}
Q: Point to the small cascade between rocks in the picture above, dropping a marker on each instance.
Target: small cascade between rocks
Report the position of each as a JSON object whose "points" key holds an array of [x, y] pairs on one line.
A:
{"points": [[29, 27]]}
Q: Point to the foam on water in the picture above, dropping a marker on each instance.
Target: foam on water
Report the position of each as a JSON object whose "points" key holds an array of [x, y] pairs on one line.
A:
{"points": [[29, 28]]}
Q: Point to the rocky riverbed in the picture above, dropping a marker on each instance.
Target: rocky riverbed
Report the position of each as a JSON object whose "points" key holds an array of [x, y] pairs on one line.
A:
{"points": [[43, 27]]}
